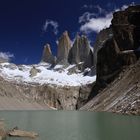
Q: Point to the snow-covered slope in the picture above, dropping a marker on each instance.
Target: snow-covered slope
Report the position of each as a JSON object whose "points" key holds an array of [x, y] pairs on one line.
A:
{"points": [[46, 75]]}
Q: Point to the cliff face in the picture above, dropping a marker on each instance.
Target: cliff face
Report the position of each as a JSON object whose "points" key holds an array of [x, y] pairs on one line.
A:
{"points": [[42, 87], [101, 38], [126, 28], [35, 96], [120, 50]]}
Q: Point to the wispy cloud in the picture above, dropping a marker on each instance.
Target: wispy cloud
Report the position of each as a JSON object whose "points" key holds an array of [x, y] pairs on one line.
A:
{"points": [[95, 22], [86, 6], [86, 17], [6, 56], [51, 23]]}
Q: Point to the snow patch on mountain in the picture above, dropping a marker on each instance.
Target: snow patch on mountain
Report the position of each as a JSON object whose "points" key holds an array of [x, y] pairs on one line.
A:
{"points": [[54, 76]]}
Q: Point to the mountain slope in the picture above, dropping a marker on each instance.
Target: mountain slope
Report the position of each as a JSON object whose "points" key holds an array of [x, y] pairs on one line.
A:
{"points": [[121, 96]]}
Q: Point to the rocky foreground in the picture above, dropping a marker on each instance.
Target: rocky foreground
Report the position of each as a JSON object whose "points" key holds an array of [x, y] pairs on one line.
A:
{"points": [[15, 132]]}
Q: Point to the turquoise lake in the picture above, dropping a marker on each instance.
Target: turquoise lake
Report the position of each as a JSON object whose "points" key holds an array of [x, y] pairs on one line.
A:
{"points": [[74, 125]]}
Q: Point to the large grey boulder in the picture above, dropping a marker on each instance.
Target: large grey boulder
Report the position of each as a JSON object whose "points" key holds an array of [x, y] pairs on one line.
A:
{"points": [[34, 71]]}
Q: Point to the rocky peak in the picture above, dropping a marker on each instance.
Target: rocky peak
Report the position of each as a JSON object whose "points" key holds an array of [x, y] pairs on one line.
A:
{"points": [[47, 55], [80, 50], [84, 48], [73, 57], [64, 46]]}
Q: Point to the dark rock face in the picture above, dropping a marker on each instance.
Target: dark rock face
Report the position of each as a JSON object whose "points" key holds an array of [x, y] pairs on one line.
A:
{"points": [[64, 46], [89, 62], [126, 28], [100, 40], [122, 49], [108, 60], [80, 50], [47, 55]]}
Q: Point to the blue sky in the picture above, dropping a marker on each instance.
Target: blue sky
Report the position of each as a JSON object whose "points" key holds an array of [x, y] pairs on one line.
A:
{"points": [[27, 25]]}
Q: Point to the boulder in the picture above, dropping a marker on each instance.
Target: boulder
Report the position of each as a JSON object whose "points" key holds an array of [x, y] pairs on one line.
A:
{"points": [[21, 133], [34, 71]]}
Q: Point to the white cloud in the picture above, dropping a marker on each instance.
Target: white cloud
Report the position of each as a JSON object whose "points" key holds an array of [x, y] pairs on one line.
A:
{"points": [[91, 22], [52, 23], [7, 56], [97, 24]]}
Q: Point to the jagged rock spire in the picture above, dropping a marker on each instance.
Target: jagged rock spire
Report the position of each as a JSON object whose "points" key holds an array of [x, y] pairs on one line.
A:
{"points": [[47, 55], [73, 57], [64, 46], [80, 50]]}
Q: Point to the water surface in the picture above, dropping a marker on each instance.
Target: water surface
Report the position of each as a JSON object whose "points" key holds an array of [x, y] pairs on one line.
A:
{"points": [[72, 125]]}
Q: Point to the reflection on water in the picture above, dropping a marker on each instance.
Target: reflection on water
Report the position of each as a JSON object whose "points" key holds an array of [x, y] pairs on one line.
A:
{"points": [[72, 125]]}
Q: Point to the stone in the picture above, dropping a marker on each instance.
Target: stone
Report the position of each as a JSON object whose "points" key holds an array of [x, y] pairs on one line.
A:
{"points": [[21, 133], [34, 71], [47, 55], [64, 45]]}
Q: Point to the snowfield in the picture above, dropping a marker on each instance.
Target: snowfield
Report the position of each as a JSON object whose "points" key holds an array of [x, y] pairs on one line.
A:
{"points": [[57, 76]]}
